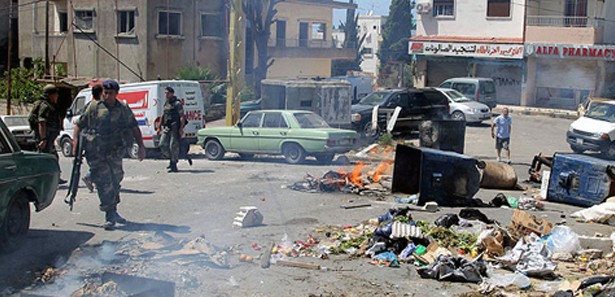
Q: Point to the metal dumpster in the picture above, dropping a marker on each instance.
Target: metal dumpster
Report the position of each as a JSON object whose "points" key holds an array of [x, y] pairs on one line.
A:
{"points": [[446, 135], [448, 178], [581, 180]]}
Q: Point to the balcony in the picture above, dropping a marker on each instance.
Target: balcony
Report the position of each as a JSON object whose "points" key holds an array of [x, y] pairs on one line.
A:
{"points": [[305, 48], [563, 30]]}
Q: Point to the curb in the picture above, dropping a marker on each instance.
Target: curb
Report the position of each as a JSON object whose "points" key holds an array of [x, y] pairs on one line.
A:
{"points": [[536, 111]]}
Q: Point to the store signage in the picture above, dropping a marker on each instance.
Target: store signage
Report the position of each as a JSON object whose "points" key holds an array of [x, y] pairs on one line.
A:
{"points": [[479, 50], [567, 51]]}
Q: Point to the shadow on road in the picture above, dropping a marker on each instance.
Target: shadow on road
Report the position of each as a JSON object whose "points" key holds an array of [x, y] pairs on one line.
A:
{"points": [[196, 171], [131, 191], [41, 249], [134, 226]]}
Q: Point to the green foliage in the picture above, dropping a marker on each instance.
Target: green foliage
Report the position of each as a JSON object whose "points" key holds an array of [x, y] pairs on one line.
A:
{"points": [[24, 88], [386, 139], [247, 94], [194, 72], [396, 33], [351, 40], [390, 75]]}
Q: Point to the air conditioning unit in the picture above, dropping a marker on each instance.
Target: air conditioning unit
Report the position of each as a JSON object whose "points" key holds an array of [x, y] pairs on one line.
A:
{"points": [[424, 7]]}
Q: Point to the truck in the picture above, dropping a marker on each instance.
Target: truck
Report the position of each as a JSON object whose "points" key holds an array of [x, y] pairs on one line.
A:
{"points": [[146, 100]]}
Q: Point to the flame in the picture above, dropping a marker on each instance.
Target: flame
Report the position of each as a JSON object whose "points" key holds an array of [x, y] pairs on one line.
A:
{"points": [[355, 176], [383, 168]]}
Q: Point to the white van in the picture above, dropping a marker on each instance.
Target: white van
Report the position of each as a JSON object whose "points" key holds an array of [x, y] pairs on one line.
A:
{"points": [[146, 99], [595, 130]]}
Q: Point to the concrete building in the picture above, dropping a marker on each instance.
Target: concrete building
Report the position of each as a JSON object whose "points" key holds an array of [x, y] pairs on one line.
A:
{"points": [[301, 43], [4, 32], [549, 53], [131, 40], [370, 26]]}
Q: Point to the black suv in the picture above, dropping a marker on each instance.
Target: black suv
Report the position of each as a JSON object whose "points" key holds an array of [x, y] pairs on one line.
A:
{"points": [[416, 105]]}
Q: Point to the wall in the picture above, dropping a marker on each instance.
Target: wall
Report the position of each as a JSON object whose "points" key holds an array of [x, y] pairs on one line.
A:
{"points": [[299, 68], [371, 27], [470, 20], [294, 13], [608, 12]]}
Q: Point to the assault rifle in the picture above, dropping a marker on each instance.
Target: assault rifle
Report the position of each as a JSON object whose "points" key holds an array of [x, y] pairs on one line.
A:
{"points": [[75, 174]]}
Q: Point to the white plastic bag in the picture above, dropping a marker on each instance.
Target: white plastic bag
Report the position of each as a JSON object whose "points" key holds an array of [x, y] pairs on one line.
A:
{"points": [[563, 240]]}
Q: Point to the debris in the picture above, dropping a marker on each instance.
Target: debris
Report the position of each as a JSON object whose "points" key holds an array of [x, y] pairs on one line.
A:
{"points": [[523, 223], [403, 230], [248, 216], [386, 259], [455, 269], [504, 280], [496, 175], [298, 264], [492, 241], [529, 257], [562, 240], [412, 199], [431, 253], [266, 258], [447, 220], [602, 213], [606, 245], [353, 206], [474, 214], [430, 206]]}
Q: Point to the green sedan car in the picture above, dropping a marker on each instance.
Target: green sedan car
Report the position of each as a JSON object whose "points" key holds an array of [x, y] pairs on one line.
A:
{"points": [[25, 177], [292, 133]]}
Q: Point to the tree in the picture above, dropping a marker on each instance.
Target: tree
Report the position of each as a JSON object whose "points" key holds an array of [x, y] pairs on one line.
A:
{"points": [[216, 90], [260, 14], [396, 35], [24, 87], [351, 40]]}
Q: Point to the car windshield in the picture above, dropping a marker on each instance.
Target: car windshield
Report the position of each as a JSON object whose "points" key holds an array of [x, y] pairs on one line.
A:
{"points": [[16, 121], [310, 120], [375, 98], [456, 96], [601, 111]]}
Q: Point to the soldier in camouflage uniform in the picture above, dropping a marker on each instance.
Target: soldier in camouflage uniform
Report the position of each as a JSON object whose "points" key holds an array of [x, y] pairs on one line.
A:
{"points": [[172, 126], [109, 127]]}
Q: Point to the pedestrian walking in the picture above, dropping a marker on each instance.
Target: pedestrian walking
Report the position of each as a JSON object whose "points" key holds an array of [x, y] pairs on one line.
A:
{"points": [[503, 123], [46, 121], [172, 128], [109, 128], [96, 94]]}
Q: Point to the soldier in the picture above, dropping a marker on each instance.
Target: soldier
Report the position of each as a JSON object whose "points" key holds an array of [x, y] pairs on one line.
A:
{"points": [[96, 94], [172, 128], [110, 128], [46, 121]]}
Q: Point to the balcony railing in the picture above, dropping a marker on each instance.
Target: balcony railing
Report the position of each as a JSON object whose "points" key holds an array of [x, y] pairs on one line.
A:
{"points": [[304, 43], [560, 21]]}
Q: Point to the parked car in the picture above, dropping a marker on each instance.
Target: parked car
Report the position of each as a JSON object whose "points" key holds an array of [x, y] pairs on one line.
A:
{"points": [[292, 133], [595, 130], [476, 88], [417, 105], [464, 109], [20, 128], [25, 177]]}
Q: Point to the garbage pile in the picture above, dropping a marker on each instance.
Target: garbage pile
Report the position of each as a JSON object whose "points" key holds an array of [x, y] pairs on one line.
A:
{"points": [[362, 179], [470, 247]]}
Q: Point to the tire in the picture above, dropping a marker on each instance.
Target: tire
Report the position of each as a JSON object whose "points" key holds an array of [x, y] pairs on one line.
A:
{"points": [[458, 116], [577, 149], [609, 152], [325, 158], [66, 145], [133, 151], [213, 149], [293, 153], [368, 133], [16, 223]]}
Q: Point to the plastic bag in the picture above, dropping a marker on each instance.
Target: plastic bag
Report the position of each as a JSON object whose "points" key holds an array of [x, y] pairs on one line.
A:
{"points": [[563, 240], [505, 280]]}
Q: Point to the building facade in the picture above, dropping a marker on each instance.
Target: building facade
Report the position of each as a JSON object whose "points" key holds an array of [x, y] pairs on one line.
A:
{"points": [[130, 40], [370, 26], [520, 45]]}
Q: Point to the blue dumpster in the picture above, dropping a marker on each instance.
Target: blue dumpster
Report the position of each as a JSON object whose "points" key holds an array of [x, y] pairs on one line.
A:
{"points": [[581, 180], [448, 178]]}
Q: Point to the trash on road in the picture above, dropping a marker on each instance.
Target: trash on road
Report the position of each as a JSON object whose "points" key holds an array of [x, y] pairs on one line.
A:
{"points": [[248, 216], [454, 269], [602, 213], [497, 175]]}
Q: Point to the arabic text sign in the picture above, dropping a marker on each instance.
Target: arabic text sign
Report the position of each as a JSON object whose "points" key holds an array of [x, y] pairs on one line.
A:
{"points": [[567, 51], [481, 50]]}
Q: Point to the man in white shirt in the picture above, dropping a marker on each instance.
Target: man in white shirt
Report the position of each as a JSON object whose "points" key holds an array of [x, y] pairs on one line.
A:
{"points": [[502, 136]]}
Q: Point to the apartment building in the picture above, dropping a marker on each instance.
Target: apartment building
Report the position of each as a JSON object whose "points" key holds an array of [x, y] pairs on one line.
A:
{"points": [[549, 53], [370, 26], [130, 40]]}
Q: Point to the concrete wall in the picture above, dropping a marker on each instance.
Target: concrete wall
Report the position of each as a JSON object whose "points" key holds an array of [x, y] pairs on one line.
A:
{"points": [[295, 13], [563, 35], [299, 68], [608, 12], [470, 20]]}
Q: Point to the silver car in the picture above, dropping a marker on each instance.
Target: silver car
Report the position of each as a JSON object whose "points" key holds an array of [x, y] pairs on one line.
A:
{"points": [[464, 109], [20, 128]]}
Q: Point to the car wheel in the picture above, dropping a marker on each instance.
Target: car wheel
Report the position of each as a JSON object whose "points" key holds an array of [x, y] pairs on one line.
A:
{"points": [[368, 133], [458, 116], [246, 156], [66, 144], [133, 151], [325, 158], [609, 152], [213, 150], [577, 149], [293, 153], [16, 224]]}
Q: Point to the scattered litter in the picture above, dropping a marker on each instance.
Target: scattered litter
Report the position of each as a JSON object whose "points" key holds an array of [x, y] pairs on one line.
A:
{"points": [[298, 264], [504, 280], [602, 213], [529, 257], [454, 269], [248, 216]]}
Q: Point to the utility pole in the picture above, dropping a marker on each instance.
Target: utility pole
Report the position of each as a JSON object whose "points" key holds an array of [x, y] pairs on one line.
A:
{"points": [[46, 37], [234, 70], [9, 77]]}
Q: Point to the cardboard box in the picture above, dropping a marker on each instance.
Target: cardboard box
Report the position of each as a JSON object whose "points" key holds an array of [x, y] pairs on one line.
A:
{"points": [[524, 223]]}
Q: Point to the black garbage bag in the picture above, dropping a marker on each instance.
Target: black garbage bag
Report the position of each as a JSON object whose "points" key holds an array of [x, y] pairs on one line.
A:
{"points": [[447, 220], [499, 200], [474, 214], [454, 269], [596, 279], [563, 294]]}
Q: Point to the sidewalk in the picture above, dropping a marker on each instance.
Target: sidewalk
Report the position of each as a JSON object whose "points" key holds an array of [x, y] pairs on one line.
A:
{"points": [[550, 112]]}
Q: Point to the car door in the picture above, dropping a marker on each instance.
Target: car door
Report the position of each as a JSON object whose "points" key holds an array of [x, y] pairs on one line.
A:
{"points": [[9, 171], [245, 139], [468, 89], [73, 114], [272, 132]]}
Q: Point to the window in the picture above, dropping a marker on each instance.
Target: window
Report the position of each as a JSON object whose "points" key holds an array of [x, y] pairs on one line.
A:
{"points": [[443, 8], [468, 89], [78, 106], [62, 22], [274, 120], [5, 148], [310, 121], [169, 23], [211, 25], [253, 120], [498, 8], [368, 51], [446, 85], [84, 20], [126, 22], [319, 31]]}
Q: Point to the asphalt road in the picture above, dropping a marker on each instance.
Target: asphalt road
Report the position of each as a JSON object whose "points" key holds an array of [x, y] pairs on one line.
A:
{"points": [[203, 199]]}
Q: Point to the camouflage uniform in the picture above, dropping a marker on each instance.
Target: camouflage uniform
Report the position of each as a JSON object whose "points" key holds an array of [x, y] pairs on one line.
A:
{"points": [[108, 130], [45, 111], [170, 140]]}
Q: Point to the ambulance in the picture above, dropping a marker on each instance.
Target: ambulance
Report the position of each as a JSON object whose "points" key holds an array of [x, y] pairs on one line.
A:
{"points": [[146, 100]]}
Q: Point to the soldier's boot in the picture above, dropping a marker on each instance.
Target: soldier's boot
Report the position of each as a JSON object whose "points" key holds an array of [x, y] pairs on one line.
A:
{"points": [[189, 159], [173, 167], [170, 164], [114, 217], [109, 221]]}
